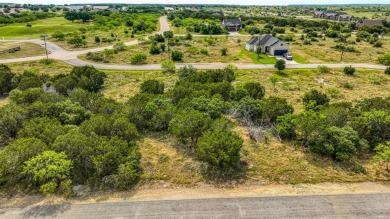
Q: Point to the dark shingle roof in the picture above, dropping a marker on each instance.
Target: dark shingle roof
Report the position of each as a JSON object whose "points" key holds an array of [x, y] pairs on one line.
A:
{"points": [[232, 21], [371, 23], [265, 40]]}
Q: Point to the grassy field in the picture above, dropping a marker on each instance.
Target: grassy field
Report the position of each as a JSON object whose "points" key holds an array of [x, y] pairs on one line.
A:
{"points": [[165, 161], [39, 27], [192, 52], [57, 67], [322, 52], [27, 50]]}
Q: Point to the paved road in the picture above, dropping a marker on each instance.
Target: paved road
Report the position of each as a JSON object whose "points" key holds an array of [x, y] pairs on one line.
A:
{"points": [[335, 206], [70, 57]]}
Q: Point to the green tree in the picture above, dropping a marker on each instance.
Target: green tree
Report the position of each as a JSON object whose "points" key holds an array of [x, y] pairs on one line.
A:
{"points": [[97, 39], [13, 156], [219, 148], [383, 154], [7, 79], [280, 65], [255, 90], [177, 55], [313, 99], [45, 129], [273, 107], [258, 51], [79, 149], [189, 124], [138, 59], [48, 169], [152, 86], [338, 143]]}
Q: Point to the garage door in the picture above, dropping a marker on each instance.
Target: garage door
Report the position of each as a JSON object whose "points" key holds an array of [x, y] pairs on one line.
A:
{"points": [[279, 52]]}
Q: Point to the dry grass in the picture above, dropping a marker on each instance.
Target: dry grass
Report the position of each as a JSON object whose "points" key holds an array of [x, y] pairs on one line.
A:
{"points": [[162, 162], [293, 83], [322, 52], [27, 50], [283, 162], [120, 85], [57, 67], [191, 51]]}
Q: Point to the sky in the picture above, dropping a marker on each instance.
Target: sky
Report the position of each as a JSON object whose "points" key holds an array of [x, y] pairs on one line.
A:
{"points": [[227, 2]]}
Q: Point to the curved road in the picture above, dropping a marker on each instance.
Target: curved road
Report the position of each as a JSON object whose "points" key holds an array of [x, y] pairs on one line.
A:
{"points": [[70, 57], [332, 206]]}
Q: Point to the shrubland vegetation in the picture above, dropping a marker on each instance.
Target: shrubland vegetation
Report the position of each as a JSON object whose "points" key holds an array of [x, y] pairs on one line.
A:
{"points": [[65, 121]]}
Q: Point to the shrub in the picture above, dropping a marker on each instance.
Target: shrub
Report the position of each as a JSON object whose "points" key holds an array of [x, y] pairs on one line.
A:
{"points": [[387, 71], [168, 66], [224, 51], [138, 59], [58, 35], [77, 41], [339, 143], [204, 51], [313, 99], [280, 64], [188, 36], [349, 70], [177, 55], [189, 125], [378, 44], [152, 87], [154, 49], [254, 89], [220, 148], [384, 59], [323, 69], [119, 47]]}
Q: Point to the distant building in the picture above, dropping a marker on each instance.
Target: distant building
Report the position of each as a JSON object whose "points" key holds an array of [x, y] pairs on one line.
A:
{"points": [[233, 25], [100, 8], [169, 9], [369, 23], [346, 17], [74, 8], [269, 45], [333, 16]]}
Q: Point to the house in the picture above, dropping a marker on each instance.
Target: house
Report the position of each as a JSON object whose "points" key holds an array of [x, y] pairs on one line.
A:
{"points": [[232, 25], [269, 44], [369, 23], [331, 16], [75, 8], [318, 14], [346, 17], [100, 8]]}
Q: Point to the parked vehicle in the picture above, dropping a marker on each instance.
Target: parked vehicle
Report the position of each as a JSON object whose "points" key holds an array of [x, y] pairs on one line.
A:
{"points": [[287, 56]]}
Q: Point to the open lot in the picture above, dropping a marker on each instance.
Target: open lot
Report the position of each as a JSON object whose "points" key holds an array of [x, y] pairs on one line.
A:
{"points": [[192, 52], [322, 52], [26, 50]]}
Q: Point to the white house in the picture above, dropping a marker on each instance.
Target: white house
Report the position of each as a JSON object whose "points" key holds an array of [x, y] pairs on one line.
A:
{"points": [[269, 44]]}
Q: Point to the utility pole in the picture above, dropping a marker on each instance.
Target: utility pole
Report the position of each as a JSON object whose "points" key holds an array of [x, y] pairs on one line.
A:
{"points": [[44, 39]]}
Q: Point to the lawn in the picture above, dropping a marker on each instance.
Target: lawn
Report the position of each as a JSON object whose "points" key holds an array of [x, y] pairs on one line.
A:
{"points": [[27, 50], [262, 59], [39, 27], [322, 52]]}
